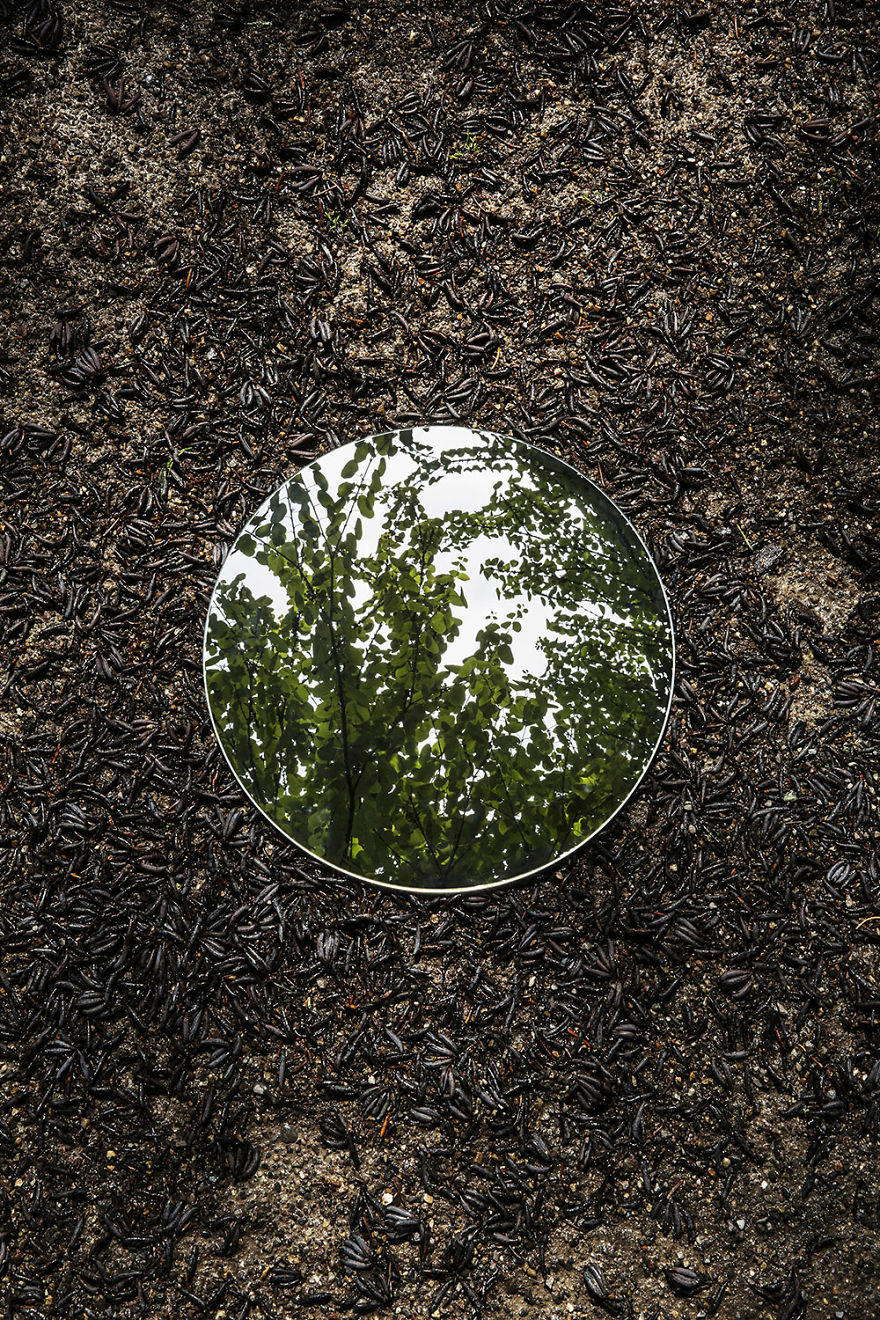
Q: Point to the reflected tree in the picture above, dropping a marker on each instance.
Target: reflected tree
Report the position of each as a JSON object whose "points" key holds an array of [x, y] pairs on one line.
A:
{"points": [[378, 679]]}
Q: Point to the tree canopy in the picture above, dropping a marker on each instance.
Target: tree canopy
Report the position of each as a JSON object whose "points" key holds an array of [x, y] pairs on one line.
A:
{"points": [[437, 658]]}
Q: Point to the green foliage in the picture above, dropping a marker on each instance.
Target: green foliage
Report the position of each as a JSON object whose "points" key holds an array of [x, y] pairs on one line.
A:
{"points": [[354, 721]]}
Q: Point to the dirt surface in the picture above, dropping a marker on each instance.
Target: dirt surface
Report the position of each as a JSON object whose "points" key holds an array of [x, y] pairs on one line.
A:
{"points": [[644, 237]]}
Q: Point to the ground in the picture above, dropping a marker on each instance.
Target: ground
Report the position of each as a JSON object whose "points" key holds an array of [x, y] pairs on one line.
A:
{"points": [[644, 237]]}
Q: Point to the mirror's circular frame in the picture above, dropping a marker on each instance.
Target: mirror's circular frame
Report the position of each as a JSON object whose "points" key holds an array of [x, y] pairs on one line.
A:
{"points": [[449, 500]]}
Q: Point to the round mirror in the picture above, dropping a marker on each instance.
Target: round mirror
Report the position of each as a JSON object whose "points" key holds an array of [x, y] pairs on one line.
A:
{"points": [[439, 659]]}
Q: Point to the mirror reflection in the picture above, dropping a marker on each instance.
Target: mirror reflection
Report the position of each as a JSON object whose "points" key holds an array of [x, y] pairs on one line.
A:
{"points": [[438, 658]]}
